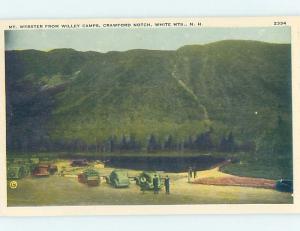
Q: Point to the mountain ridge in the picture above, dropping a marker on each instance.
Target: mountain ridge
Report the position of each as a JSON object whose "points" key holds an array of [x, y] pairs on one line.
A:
{"points": [[234, 86]]}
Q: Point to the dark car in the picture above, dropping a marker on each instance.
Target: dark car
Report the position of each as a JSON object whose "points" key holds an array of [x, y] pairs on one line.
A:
{"points": [[22, 167], [284, 185], [52, 169], [15, 171], [91, 177], [145, 180], [118, 178], [42, 170], [79, 163]]}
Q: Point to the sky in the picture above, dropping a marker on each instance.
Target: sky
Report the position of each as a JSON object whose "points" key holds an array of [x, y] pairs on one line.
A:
{"points": [[121, 39]]}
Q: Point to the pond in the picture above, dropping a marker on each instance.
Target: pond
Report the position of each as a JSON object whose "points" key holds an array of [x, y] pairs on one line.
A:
{"points": [[164, 163]]}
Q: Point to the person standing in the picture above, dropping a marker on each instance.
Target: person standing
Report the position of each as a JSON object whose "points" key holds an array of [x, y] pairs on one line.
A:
{"points": [[155, 184], [143, 184], [167, 184], [190, 174], [195, 173]]}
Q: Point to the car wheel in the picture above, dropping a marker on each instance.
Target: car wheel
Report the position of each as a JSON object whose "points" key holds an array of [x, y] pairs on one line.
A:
{"points": [[115, 184]]}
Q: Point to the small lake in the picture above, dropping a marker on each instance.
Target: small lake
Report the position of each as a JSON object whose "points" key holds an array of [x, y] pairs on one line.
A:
{"points": [[164, 163]]}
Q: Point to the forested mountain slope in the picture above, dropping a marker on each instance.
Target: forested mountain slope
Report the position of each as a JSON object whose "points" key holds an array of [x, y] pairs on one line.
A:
{"points": [[197, 97]]}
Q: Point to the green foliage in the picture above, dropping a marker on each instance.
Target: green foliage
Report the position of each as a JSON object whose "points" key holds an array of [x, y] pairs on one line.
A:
{"points": [[268, 166], [83, 99], [276, 140]]}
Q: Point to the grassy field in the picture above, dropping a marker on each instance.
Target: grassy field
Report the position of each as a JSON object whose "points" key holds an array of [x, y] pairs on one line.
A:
{"points": [[269, 167], [57, 190]]}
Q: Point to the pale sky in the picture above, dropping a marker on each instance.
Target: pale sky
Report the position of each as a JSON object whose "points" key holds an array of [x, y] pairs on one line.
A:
{"points": [[122, 39]]}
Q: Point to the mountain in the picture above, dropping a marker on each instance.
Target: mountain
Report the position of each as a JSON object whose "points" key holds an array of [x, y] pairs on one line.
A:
{"points": [[66, 97]]}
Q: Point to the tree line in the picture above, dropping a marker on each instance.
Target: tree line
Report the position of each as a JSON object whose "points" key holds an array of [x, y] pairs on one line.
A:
{"points": [[202, 142]]}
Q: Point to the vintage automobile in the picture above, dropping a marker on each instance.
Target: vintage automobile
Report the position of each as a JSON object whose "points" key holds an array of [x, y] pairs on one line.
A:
{"points": [[52, 168], [25, 163], [91, 177], [29, 167], [145, 180], [284, 185], [79, 163], [42, 170], [16, 171], [118, 178]]}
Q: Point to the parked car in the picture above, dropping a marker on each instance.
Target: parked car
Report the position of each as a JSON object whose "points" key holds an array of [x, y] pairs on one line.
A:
{"points": [[52, 168], [25, 163], [284, 185], [118, 178], [90, 177], [79, 163], [29, 167], [42, 170], [145, 179], [16, 172]]}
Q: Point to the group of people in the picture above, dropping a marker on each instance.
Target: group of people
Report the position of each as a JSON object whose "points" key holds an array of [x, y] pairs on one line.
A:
{"points": [[192, 173], [166, 184], [156, 184]]}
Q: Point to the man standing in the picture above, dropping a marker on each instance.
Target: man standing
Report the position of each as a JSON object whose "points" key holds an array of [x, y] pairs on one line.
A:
{"points": [[155, 184], [167, 184], [195, 173], [190, 174], [142, 184]]}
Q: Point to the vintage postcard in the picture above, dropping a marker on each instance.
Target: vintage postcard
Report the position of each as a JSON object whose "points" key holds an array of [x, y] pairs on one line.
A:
{"points": [[150, 116]]}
